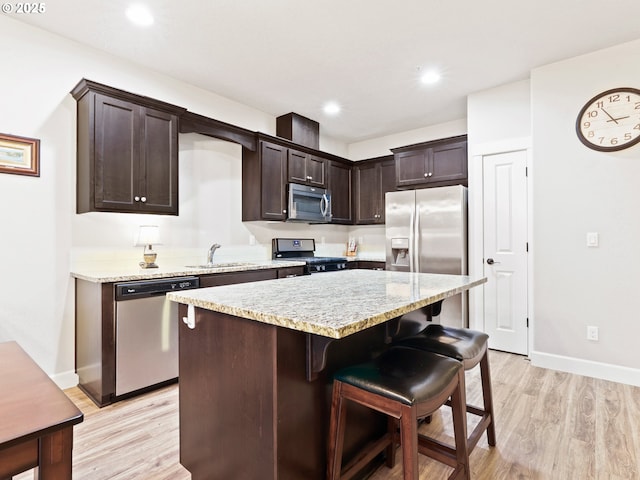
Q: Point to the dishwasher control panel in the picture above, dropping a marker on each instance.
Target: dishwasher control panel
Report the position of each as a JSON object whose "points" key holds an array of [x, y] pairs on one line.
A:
{"points": [[149, 288]]}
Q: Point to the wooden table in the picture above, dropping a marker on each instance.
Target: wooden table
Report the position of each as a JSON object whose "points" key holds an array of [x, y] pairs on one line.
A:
{"points": [[36, 419], [257, 360]]}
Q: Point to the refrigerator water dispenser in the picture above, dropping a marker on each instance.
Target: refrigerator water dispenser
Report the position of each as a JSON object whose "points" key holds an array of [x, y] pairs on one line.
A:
{"points": [[400, 252]]}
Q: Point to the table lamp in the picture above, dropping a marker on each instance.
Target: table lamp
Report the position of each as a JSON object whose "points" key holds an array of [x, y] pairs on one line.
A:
{"points": [[148, 236]]}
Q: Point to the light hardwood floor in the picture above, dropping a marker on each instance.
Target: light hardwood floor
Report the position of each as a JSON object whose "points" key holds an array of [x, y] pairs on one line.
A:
{"points": [[549, 425]]}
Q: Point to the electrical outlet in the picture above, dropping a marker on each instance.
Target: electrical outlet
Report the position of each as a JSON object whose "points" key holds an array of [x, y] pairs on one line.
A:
{"points": [[592, 333]]}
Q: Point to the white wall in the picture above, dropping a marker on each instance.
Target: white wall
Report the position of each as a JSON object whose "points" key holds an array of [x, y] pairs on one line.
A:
{"points": [[382, 146], [578, 190]]}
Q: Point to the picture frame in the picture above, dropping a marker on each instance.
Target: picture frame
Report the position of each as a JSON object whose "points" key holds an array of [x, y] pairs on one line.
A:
{"points": [[19, 155]]}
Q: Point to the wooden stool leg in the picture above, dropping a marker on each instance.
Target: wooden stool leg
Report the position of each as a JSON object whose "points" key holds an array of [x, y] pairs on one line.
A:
{"points": [[459, 413], [336, 432], [409, 441], [487, 395], [392, 427]]}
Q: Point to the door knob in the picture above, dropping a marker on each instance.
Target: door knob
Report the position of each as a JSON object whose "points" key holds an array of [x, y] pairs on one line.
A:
{"points": [[491, 261]]}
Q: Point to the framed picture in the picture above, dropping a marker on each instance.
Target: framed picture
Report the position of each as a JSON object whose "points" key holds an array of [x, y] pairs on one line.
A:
{"points": [[19, 155]]}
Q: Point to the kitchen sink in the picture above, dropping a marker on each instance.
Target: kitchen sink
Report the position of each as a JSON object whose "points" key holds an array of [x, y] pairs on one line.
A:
{"points": [[221, 265]]}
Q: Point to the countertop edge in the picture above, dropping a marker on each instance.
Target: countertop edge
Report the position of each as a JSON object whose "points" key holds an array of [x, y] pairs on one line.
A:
{"points": [[97, 276]]}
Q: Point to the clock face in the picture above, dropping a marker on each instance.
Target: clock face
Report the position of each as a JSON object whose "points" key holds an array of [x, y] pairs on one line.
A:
{"points": [[610, 121]]}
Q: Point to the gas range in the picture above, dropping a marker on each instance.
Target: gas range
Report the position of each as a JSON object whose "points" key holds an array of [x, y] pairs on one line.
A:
{"points": [[303, 249]]}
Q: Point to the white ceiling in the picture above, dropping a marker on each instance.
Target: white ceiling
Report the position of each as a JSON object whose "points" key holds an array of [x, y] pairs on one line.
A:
{"points": [[283, 56]]}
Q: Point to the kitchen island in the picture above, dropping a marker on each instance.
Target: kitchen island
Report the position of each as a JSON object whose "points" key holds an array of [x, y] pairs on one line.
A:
{"points": [[256, 363]]}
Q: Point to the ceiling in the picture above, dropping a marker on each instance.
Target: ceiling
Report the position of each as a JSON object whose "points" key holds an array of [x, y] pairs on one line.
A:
{"points": [[282, 56]]}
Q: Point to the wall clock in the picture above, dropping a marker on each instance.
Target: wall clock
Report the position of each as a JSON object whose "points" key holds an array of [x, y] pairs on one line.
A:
{"points": [[610, 121]]}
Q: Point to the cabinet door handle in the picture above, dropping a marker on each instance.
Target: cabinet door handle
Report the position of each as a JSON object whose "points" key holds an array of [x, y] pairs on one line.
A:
{"points": [[309, 177], [284, 211], [136, 198], [426, 174], [143, 199]]}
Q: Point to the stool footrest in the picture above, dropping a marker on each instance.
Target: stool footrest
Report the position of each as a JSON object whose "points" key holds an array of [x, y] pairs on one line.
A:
{"points": [[437, 450], [471, 409], [365, 455], [476, 435], [484, 423]]}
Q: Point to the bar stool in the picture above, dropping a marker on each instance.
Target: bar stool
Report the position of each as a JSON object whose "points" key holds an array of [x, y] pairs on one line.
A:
{"points": [[469, 347], [405, 384]]}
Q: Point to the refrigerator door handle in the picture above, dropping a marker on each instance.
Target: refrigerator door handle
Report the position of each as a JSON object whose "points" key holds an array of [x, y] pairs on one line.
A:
{"points": [[416, 240], [411, 239]]}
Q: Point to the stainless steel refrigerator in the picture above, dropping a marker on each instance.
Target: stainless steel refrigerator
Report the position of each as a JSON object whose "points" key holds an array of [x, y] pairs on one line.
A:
{"points": [[426, 231]]}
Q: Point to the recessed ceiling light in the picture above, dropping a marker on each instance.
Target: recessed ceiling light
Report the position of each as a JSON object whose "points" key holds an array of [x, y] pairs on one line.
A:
{"points": [[331, 108], [139, 15], [430, 77]]}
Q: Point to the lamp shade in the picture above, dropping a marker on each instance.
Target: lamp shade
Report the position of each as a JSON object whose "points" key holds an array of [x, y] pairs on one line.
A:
{"points": [[148, 235]]}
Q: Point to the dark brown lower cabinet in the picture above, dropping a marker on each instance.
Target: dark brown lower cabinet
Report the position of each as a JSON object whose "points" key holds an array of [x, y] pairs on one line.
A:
{"points": [[247, 410]]}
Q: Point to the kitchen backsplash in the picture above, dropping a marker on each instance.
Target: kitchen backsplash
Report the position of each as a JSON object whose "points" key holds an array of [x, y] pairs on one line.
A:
{"points": [[84, 257]]}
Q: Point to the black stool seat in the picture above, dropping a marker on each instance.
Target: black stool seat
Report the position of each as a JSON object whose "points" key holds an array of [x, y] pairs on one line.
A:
{"points": [[471, 348], [406, 384], [403, 374], [467, 346]]}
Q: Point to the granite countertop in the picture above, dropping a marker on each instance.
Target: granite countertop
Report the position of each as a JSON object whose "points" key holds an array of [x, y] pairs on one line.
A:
{"points": [[118, 274], [335, 304]]}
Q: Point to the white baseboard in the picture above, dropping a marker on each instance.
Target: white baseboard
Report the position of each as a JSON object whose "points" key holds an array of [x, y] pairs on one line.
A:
{"points": [[65, 380], [587, 368]]}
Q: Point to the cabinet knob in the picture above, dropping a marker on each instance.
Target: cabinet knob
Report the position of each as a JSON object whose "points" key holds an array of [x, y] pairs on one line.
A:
{"points": [[426, 174], [309, 177], [143, 199], [430, 173], [136, 198], [284, 211]]}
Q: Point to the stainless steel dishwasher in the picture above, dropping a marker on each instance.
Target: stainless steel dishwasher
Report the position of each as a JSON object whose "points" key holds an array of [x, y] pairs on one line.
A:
{"points": [[147, 332]]}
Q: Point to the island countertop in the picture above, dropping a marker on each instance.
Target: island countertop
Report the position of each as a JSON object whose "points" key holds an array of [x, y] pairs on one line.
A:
{"points": [[335, 304]]}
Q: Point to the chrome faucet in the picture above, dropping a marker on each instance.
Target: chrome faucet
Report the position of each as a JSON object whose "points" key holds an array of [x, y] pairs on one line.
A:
{"points": [[212, 250]]}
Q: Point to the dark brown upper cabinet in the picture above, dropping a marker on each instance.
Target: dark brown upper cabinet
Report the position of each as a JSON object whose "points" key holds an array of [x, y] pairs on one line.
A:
{"points": [[372, 179], [306, 168], [339, 184], [127, 151], [432, 164], [277, 162], [264, 182]]}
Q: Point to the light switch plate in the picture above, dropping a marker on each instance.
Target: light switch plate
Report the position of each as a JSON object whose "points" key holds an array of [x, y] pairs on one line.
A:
{"points": [[592, 239]]}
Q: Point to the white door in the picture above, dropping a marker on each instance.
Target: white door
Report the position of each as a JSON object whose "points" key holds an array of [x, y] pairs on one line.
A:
{"points": [[505, 250]]}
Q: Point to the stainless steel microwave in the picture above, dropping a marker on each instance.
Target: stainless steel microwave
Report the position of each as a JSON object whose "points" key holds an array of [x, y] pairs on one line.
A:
{"points": [[308, 204]]}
